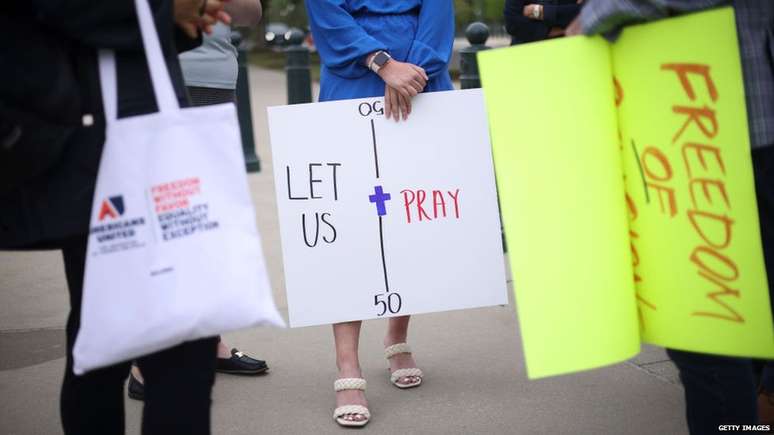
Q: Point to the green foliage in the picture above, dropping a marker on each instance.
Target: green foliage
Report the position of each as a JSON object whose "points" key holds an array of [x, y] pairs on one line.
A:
{"points": [[290, 12], [468, 11], [493, 11], [293, 12], [463, 11]]}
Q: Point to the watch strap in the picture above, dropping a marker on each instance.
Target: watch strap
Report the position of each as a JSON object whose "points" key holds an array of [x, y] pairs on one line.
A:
{"points": [[378, 60], [536, 10]]}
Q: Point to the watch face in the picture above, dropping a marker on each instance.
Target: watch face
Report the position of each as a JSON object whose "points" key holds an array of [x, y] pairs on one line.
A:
{"points": [[381, 58]]}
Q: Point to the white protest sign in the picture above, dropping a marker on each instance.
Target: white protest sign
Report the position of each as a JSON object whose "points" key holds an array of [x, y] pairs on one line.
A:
{"points": [[382, 219]]}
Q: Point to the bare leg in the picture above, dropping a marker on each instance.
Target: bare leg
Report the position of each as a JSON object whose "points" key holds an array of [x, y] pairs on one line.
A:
{"points": [[347, 337], [223, 350], [137, 374], [397, 332]]}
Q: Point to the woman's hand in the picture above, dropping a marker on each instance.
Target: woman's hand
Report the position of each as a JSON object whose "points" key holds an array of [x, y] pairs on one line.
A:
{"points": [[574, 28], [405, 78], [395, 104], [193, 15], [556, 32], [529, 11]]}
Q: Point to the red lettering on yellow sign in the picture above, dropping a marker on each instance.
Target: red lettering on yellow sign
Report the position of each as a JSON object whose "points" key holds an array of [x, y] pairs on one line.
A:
{"points": [[709, 210], [658, 170]]}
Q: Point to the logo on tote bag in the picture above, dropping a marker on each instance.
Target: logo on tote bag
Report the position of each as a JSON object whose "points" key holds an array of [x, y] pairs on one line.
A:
{"points": [[115, 232], [112, 208]]}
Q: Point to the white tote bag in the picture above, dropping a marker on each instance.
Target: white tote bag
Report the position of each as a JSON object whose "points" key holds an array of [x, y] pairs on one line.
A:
{"points": [[173, 253]]}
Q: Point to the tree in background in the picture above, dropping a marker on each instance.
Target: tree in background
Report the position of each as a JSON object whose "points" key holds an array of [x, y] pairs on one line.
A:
{"points": [[488, 11], [290, 12], [293, 13]]}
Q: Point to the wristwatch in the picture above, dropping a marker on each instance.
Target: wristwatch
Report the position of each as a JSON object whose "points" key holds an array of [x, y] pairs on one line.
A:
{"points": [[536, 11], [379, 60]]}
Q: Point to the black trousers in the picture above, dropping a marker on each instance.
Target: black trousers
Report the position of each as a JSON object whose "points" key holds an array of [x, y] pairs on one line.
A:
{"points": [[178, 381], [718, 390], [721, 390]]}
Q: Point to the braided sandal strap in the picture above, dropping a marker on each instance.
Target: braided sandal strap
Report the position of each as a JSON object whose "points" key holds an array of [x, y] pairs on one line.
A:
{"points": [[402, 373], [395, 349], [351, 409], [349, 384]]}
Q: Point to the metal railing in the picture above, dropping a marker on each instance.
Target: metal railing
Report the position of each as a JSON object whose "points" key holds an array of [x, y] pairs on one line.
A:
{"points": [[244, 108]]}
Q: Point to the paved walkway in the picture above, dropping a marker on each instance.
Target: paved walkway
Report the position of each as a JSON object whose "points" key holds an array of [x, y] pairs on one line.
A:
{"points": [[475, 382]]}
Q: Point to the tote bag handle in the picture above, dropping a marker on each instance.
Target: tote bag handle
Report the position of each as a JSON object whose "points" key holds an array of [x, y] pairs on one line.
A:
{"points": [[166, 98]]}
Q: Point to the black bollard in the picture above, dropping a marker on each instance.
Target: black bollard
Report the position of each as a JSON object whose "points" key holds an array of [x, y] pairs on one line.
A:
{"points": [[244, 109], [477, 34], [297, 69]]}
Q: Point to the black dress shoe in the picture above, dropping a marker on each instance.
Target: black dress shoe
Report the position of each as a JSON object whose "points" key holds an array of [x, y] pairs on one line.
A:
{"points": [[136, 389], [241, 364]]}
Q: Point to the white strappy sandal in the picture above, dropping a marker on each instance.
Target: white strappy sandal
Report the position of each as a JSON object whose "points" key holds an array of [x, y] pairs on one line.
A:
{"points": [[339, 413], [395, 349]]}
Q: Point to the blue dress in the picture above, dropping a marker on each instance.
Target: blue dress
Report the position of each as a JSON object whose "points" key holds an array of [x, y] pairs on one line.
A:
{"points": [[346, 31]]}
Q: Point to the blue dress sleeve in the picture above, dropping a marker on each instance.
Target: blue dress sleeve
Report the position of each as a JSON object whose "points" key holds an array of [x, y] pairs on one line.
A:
{"points": [[432, 45], [342, 43]]}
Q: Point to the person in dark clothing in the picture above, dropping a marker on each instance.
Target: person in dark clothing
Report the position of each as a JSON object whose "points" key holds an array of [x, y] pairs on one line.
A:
{"points": [[51, 208], [56, 203], [535, 20]]}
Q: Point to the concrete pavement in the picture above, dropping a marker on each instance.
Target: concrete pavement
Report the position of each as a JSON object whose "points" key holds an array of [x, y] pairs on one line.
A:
{"points": [[475, 377]]}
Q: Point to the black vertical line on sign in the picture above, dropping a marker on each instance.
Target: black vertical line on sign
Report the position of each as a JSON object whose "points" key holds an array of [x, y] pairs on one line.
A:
{"points": [[376, 155], [384, 262], [642, 174]]}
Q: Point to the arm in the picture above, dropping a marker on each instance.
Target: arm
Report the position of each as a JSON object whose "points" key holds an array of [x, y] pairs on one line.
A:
{"points": [[113, 24], [183, 42], [608, 16], [560, 15], [521, 28], [432, 45], [342, 43], [244, 13]]}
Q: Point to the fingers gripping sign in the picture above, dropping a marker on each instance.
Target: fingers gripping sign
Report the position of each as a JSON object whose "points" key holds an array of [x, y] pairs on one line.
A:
{"points": [[403, 81]]}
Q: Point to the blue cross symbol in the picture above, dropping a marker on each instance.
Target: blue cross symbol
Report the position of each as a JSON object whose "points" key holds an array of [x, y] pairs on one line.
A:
{"points": [[379, 197]]}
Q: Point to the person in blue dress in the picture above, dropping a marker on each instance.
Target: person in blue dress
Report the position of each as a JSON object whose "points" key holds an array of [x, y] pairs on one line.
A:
{"points": [[373, 48]]}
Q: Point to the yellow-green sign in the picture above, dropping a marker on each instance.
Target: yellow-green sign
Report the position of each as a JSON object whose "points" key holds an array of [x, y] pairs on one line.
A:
{"points": [[627, 194]]}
